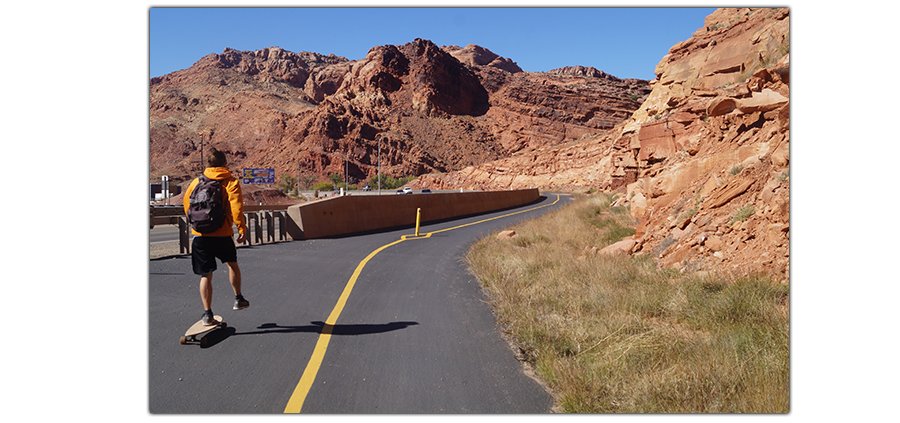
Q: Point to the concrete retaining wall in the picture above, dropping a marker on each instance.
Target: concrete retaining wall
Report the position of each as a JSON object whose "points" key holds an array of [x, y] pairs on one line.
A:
{"points": [[361, 213]]}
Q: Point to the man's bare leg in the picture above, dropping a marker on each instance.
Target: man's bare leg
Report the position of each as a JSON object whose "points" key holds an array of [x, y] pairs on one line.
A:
{"points": [[234, 276], [206, 291]]}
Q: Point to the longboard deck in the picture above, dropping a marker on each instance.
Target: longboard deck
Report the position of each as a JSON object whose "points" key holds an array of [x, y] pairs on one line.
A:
{"points": [[199, 328]]}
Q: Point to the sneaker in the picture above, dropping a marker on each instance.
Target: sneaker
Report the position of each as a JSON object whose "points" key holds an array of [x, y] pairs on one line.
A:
{"points": [[240, 303], [208, 319]]}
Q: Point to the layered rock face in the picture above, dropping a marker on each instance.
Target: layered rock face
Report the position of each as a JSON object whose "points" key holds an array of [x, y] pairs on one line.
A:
{"points": [[713, 149], [703, 163], [430, 109]]}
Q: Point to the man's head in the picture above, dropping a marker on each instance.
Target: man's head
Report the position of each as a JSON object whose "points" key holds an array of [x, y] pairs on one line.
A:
{"points": [[216, 158]]}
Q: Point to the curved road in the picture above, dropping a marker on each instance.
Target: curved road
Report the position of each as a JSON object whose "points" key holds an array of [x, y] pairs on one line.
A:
{"points": [[377, 323]]}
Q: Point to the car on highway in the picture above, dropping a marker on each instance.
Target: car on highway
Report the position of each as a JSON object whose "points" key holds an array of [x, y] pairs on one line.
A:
{"points": [[406, 190], [367, 188], [426, 191]]}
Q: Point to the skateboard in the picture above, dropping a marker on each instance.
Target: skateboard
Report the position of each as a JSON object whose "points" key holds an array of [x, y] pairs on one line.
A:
{"points": [[200, 329]]}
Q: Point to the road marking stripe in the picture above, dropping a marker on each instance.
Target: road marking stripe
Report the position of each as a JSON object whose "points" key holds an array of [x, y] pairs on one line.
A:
{"points": [[295, 403]]}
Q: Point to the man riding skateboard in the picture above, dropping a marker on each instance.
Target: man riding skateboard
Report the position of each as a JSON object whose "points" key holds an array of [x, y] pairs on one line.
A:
{"points": [[218, 198]]}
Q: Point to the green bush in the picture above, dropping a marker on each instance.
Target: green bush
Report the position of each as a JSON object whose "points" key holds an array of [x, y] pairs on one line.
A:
{"points": [[287, 183], [323, 186], [388, 182]]}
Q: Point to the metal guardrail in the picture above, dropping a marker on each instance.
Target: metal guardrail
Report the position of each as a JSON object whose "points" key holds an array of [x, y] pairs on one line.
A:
{"points": [[260, 223]]}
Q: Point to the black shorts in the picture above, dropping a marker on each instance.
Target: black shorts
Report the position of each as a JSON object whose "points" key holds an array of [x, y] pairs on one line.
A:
{"points": [[206, 249]]}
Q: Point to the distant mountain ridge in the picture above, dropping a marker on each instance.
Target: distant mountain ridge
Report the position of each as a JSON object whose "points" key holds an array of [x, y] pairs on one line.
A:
{"points": [[435, 109]]}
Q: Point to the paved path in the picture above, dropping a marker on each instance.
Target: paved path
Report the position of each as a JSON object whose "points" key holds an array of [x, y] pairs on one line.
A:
{"points": [[378, 323]]}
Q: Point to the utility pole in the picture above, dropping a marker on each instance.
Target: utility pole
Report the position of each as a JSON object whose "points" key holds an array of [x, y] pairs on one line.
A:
{"points": [[379, 164], [202, 166]]}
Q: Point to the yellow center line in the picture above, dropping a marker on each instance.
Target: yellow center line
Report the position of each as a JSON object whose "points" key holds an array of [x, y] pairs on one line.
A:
{"points": [[295, 403]]}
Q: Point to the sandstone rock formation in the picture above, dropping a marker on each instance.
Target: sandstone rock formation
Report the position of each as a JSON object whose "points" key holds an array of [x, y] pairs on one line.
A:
{"points": [[703, 163], [429, 109]]}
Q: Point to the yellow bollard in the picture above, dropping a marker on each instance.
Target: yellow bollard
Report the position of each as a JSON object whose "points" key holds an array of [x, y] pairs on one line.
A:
{"points": [[418, 219]]}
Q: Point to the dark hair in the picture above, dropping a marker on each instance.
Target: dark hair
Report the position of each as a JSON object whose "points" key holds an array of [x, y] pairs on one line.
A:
{"points": [[216, 158]]}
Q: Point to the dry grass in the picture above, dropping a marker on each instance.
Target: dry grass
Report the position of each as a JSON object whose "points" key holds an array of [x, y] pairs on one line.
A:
{"points": [[618, 335]]}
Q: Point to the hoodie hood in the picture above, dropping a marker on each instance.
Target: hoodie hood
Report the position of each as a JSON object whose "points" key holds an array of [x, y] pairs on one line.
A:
{"points": [[217, 173]]}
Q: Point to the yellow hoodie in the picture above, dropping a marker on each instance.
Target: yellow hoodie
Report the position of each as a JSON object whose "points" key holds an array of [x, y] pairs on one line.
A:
{"points": [[234, 206]]}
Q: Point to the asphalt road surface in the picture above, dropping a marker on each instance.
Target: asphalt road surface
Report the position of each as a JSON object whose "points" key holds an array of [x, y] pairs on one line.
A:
{"points": [[163, 233], [377, 323]]}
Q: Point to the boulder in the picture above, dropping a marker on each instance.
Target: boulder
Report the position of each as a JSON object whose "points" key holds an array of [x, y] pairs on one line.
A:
{"points": [[781, 210], [775, 233], [620, 248], [510, 234], [714, 243], [721, 106], [781, 156], [762, 101], [638, 205]]}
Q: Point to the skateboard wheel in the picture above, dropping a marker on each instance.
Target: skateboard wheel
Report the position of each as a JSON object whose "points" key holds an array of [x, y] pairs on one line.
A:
{"points": [[224, 325], [183, 340], [203, 341]]}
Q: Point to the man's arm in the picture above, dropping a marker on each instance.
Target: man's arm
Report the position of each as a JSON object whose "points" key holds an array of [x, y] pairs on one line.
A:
{"points": [[236, 200]]}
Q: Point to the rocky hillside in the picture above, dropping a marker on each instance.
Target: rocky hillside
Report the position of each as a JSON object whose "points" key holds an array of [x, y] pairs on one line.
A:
{"points": [[700, 154], [431, 110], [703, 163]]}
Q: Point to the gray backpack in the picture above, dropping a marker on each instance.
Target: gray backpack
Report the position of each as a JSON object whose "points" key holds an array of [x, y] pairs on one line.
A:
{"points": [[206, 211]]}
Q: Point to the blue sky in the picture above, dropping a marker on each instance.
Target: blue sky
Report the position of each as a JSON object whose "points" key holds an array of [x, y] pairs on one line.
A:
{"points": [[624, 42]]}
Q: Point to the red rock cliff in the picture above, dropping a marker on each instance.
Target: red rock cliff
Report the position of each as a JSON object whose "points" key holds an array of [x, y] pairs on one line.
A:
{"points": [[703, 163]]}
